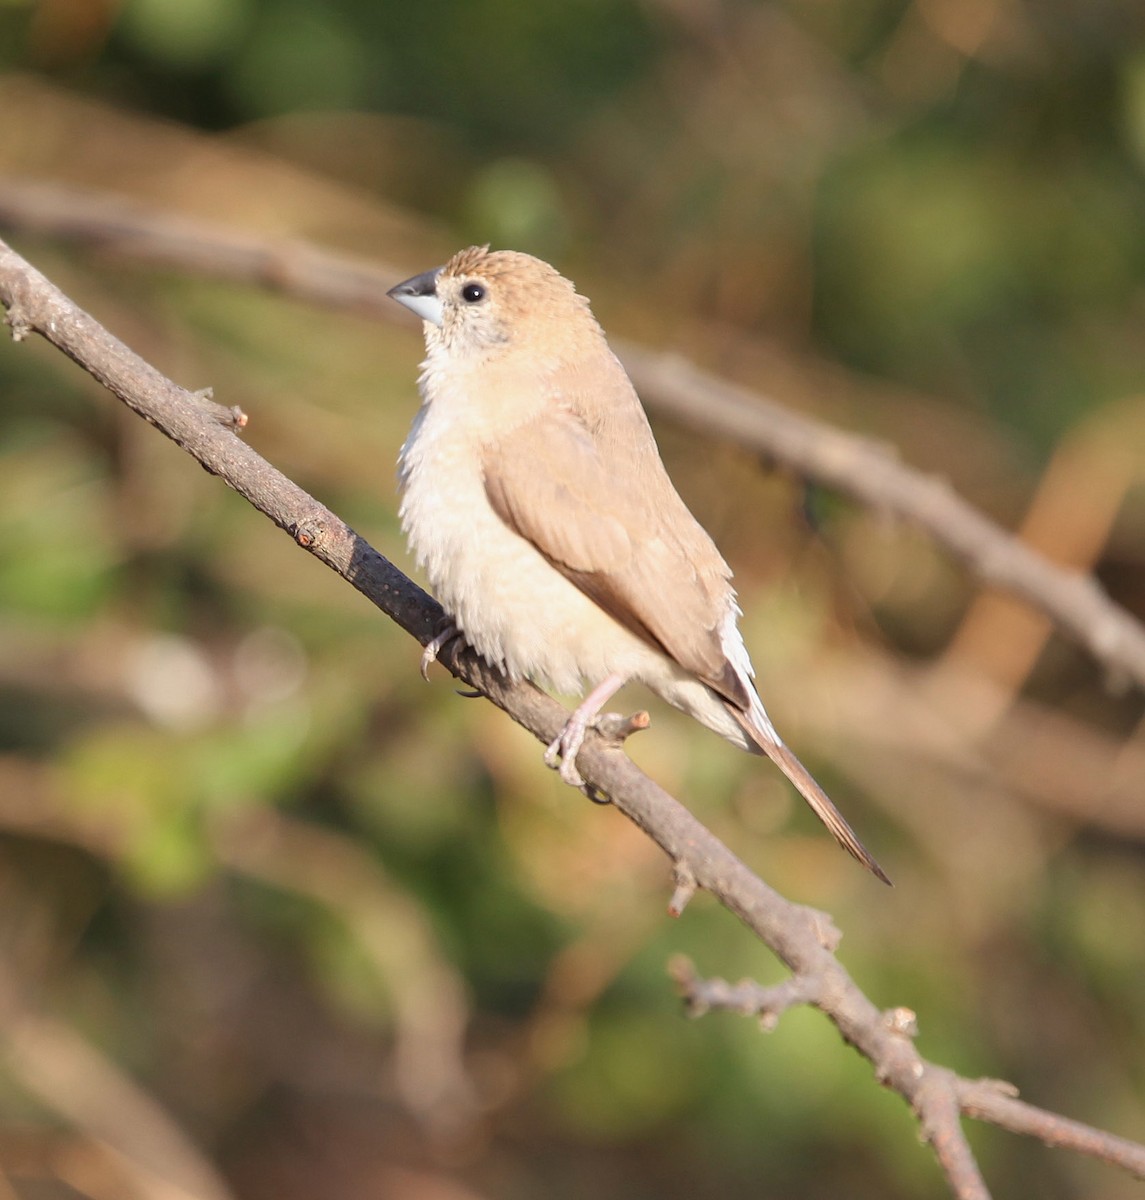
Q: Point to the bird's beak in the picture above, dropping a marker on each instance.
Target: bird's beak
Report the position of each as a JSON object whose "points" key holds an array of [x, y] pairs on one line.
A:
{"points": [[419, 295]]}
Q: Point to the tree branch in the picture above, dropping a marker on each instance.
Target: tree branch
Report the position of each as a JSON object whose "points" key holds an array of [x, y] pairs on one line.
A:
{"points": [[857, 466], [803, 939], [937, 1095]]}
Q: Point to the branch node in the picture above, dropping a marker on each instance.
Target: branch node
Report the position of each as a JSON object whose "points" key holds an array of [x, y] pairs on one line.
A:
{"points": [[616, 728], [307, 534], [18, 323], [685, 888], [232, 417], [768, 1021], [901, 1021], [827, 933]]}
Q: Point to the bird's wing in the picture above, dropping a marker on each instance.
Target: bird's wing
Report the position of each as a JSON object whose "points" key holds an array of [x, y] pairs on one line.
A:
{"points": [[592, 496]]}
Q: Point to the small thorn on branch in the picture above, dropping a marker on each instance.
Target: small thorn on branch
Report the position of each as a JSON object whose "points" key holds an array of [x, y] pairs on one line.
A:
{"points": [[232, 417], [616, 728], [685, 889]]}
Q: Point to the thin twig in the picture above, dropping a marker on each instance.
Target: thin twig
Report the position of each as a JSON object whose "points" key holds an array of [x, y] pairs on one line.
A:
{"points": [[938, 1096], [995, 1101], [803, 939], [857, 466], [747, 997]]}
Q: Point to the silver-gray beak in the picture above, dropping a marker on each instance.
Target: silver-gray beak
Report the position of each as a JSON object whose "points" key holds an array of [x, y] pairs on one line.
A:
{"points": [[419, 295]]}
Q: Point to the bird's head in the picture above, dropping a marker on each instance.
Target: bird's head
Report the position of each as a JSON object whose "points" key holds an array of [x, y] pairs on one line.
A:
{"points": [[486, 301]]}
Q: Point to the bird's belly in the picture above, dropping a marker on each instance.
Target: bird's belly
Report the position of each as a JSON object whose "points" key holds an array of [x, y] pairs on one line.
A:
{"points": [[515, 609]]}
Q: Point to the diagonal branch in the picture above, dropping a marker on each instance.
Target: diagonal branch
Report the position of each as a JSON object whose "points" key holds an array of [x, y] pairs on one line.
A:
{"points": [[803, 939], [938, 1096], [859, 467]]}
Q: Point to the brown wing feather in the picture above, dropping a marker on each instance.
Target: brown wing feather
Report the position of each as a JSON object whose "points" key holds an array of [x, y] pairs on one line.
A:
{"points": [[589, 492]]}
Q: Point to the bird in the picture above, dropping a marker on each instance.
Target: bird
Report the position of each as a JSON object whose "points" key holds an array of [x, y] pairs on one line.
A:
{"points": [[535, 500]]}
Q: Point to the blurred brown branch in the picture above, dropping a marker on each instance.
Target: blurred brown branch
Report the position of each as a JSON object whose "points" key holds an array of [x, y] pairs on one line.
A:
{"points": [[130, 1137], [428, 995], [150, 1153], [869, 472], [803, 939], [857, 466]]}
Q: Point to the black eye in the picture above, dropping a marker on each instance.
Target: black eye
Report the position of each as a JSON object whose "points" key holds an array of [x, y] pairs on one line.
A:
{"points": [[473, 293]]}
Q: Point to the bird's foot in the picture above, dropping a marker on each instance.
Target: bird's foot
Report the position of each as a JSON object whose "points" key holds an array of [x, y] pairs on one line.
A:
{"points": [[565, 747], [447, 632], [614, 727]]}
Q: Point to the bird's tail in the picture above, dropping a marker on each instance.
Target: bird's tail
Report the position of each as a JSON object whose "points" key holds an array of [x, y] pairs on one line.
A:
{"points": [[761, 732]]}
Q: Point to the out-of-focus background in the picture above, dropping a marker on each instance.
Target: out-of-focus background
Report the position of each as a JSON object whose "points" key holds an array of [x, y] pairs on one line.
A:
{"points": [[279, 920]]}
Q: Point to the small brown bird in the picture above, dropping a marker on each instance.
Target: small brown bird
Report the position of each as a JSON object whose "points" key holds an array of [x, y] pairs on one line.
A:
{"points": [[536, 502]]}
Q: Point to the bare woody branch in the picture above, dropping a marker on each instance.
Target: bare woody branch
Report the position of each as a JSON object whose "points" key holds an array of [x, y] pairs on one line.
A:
{"points": [[803, 939], [991, 1100], [858, 467]]}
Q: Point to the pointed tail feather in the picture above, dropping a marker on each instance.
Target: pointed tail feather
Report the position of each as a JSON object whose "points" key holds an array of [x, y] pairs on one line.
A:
{"points": [[764, 736]]}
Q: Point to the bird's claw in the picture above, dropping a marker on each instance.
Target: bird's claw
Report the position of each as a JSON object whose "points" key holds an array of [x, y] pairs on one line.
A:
{"points": [[562, 751], [446, 634], [561, 756]]}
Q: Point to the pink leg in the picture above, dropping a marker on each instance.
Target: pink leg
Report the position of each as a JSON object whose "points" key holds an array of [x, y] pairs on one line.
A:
{"points": [[568, 742]]}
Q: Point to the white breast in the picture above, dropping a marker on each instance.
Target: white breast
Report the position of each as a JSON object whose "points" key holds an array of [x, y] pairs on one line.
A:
{"points": [[516, 610]]}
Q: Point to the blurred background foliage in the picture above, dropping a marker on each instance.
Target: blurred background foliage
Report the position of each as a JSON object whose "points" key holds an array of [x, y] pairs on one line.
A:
{"points": [[277, 919]]}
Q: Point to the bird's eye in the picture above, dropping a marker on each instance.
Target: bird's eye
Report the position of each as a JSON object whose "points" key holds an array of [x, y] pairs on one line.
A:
{"points": [[473, 293]]}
